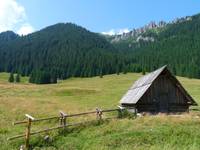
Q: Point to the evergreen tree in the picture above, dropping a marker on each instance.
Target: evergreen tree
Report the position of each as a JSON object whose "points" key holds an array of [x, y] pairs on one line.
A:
{"points": [[18, 78], [117, 69], [143, 72], [11, 78], [101, 74], [124, 69]]}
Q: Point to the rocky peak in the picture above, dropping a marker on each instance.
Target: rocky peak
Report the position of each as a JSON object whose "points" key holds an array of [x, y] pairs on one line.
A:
{"points": [[182, 19], [137, 34]]}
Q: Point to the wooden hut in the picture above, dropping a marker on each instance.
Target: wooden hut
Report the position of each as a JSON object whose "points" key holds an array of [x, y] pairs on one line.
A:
{"points": [[158, 91]]}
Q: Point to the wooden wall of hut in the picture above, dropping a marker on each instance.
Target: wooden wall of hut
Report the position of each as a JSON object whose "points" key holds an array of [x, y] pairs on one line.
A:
{"points": [[163, 96]]}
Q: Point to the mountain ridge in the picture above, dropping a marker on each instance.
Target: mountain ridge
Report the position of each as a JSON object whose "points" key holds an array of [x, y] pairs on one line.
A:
{"points": [[136, 32], [58, 51], [67, 50]]}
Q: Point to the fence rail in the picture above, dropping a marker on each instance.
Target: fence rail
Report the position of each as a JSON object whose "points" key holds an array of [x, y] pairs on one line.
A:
{"points": [[58, 117], [62, 121]]}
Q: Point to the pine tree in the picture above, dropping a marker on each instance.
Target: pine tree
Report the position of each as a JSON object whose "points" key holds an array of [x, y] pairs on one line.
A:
{"points": [[124, 69], [143, 72], [18, 78], [101, 74], [117, 70], [11, 78], [32, 78]]}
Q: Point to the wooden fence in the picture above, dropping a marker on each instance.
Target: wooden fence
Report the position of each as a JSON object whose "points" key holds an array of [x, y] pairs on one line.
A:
{"points": [[62, 122]]}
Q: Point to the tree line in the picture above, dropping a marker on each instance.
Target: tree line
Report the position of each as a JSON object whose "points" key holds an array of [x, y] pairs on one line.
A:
{"points": [[67, 50], [178, 46], [59, 52]]}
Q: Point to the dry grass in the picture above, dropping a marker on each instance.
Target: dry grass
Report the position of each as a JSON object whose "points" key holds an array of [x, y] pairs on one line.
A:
{"points": [[85, 94]]}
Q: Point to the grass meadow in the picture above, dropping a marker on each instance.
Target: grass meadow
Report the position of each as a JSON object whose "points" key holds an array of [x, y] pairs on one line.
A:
{"points": [[85, 94]]}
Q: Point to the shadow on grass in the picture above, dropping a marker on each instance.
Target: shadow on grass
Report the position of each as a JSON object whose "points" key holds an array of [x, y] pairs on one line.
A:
{"points": [[50, 140]]}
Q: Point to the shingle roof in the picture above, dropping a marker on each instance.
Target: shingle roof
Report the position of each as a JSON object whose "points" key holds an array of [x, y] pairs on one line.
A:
{"points": [[140, 87], [143, 84]]}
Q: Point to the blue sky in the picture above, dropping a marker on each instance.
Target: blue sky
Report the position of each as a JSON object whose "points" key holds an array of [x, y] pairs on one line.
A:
{"points": [[95, 15]]}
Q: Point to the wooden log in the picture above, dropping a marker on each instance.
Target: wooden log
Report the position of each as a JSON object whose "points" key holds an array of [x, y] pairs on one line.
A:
{"points": [[28, 130], [58, 127], [27, 134], [19, 122], [36, 120], [58, 117], [80, 114], [45, 130], [30, 117], [63, 114], [55, 117], [16, 137], [98, 114], [53, 128], [63, 118], [64, 122], [110, 110]]}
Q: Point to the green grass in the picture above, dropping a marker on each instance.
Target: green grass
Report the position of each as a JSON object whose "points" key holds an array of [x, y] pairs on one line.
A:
{"points": [[85, 94], [4, 78]]}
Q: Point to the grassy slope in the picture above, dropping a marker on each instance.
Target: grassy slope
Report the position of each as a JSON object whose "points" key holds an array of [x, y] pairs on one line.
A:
{"points": [[83, 94]]}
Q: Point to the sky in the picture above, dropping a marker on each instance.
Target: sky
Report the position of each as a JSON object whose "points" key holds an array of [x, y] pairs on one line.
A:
{"points": [[104, 16]]}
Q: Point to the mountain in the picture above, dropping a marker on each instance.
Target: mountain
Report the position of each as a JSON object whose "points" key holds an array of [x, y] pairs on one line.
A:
{"points": [[136, 33], [67, 50], [176, 44], [58, 51], [7, 36], [145, 34]]}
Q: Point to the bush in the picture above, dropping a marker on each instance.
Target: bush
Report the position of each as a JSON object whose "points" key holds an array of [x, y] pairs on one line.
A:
{"points": [[124, 113]]}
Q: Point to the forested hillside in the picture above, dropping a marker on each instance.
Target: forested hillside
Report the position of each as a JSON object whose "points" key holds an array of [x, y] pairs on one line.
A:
{"points": [[67, 50], [177, 45], [7, 36], [59, 51]]}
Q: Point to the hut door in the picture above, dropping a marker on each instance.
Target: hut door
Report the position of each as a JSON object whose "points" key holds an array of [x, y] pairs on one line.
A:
{"points": [[163, 103]]}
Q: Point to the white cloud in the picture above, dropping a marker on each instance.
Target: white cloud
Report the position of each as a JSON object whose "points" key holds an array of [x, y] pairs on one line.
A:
{"points": [[121, 31], [111, 32], [116, 32], [25, 29], [12, 15]]}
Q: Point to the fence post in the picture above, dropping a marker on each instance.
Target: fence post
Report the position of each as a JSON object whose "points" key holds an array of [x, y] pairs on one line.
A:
{"points": [[120, 111], [99, 113], [63, 118], [28, 130]]}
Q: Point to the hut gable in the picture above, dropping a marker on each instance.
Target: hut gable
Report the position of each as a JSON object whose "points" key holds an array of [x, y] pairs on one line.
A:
{"points": [[158, 91], [140, 87]]}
